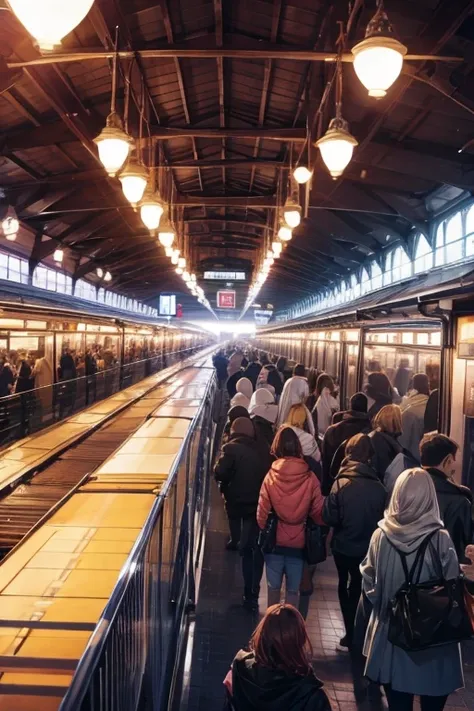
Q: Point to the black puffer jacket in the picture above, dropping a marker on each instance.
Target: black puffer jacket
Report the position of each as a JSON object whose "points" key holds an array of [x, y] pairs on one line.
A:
{"points": [[386, 447], [349, 424], [354, 507], [258, 688], [455, 506], [264, 430], [240, 471]]}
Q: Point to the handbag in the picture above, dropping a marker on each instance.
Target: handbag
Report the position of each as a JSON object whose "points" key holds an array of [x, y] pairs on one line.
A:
{"points": [[429, 614], [315, 542], [267, 536]]}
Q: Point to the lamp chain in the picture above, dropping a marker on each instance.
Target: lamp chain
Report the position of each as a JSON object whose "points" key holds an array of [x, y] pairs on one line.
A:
{"points": [[114, 73]]}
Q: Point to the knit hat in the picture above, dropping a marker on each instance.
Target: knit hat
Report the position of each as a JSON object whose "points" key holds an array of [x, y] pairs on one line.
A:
{"points": [[243, 426], [359, 402]]}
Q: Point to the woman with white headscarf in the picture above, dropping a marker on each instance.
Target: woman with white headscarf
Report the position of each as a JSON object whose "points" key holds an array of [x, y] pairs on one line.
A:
{"points": [[244, 392], [295, 392], [263, 412], [434, 673]]}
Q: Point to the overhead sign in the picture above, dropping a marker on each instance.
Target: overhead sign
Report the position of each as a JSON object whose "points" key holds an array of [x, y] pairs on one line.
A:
{"points": [[263, 316], [225, 276], [226, 299], [167, 304]]}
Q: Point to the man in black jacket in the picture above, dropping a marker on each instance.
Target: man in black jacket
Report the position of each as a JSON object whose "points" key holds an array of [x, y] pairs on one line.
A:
{"points": [[252, 371], [438, 457], [353, 508], [240, 471], [346, 424]]}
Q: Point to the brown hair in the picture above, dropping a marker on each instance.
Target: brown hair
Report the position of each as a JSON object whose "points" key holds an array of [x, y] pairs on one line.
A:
{"points": [[297, 416], [359, 448], [389, 419], [281, 641], [324, 381], [435, 447], [312, 379], [286, 444]]}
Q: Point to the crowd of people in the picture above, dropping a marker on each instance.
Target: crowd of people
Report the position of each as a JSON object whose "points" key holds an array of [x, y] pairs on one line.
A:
{"points": [[380, 490]]}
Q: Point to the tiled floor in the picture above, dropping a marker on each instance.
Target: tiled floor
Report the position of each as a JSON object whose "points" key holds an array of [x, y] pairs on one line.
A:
{"points": [[223, 627]]}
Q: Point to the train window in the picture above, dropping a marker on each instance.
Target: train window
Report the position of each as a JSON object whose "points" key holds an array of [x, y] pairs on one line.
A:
{"points": [[439, 253], [39, 277], [401, 364], [423, 255], [14, 269], [454, 237], [401, 265], [351, 336], [407, 337], [3, 266], [470, 232]]}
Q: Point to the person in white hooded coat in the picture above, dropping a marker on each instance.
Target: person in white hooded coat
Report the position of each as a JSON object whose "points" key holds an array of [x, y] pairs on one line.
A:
{"points": [[263, 412], [413, 409], [244, 392], [295, 392]]}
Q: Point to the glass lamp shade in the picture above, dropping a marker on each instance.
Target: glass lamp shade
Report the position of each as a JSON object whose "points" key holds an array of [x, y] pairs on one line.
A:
{"points": [[186, 276], [285, 233], [179, 270], [107, 276], [169, 251], [175, 257], [302, 174], [151, 210], [277, 247], [378, 62], [113, 144], [182, 262], [134, 178], [193, 278], [166, 238], [48, 21], [292, 213], [337, 146], [10, 227], [58, 256], [99, 272]]}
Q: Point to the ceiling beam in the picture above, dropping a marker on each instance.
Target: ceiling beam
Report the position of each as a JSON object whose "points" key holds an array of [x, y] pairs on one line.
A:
{"points": [[251, 201]]}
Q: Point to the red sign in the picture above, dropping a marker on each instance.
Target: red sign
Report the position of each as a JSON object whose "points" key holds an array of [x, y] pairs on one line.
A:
{"points": [[179, 311], [226, 299]]}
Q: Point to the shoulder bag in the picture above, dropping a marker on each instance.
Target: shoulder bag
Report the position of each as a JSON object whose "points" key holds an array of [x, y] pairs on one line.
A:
{"points": [[267, 536], [429, 614], [315, 542]]}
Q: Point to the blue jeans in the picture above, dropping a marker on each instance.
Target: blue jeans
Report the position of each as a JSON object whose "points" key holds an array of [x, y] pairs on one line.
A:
{"points": [[277, 565]]}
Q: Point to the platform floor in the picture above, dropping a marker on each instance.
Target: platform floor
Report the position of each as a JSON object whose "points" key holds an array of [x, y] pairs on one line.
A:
{"points": [[222, 627]]}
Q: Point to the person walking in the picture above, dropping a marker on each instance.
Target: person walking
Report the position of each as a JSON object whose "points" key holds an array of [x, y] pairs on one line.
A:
{"points": [[353, 509], [291, 490], [240, 471], [433, 673], [413, 409], [244, 392], [298, 421], [232, 415], [379, 393], [253, 369], [269, 376], [295, 392], [276, 673], [387, 425], [346, 424], [326, 403], [438, 458], [263, 412]]}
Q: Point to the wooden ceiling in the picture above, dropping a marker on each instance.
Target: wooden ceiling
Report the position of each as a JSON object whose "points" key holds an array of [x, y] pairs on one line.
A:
{"points": [[231, 91]]}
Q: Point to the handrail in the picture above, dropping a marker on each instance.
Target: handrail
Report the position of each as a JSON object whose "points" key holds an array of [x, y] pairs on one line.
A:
{"points": [[91, 655]]}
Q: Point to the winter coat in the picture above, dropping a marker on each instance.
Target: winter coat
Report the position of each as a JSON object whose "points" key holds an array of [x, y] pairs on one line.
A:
{"points": [[252, 372], [259, 688], [264, 430], [308, 443], [386, 447], [220, 363], [294, 493], [455, 506], [6, 380], [240, 470], [413, 422], [24, 381], [232, 381], [433, 672], [326, 406], [354, 507], [235, 361], [349, 424]]}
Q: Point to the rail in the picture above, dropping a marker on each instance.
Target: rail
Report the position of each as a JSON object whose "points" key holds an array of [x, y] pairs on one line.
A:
{"points": [[131, 657], [24, 413]]}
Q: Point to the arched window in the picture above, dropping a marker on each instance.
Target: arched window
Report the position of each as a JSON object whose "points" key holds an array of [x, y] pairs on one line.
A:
{"points": [[423, 255], [454, 239], [470, 232], [365, 281], [355, 286], [439, 252], [387, 275], [377, 278]]}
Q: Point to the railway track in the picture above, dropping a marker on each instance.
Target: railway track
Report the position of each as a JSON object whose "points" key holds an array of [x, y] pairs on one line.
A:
{"points": [[33, 500]]}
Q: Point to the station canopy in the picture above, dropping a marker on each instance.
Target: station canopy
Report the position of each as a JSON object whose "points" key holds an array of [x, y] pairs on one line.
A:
{"points": [[216, 103]]}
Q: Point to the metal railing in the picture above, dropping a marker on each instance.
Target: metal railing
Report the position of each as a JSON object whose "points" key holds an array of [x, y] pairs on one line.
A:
{"points": [[28, 412], [133, 654]]}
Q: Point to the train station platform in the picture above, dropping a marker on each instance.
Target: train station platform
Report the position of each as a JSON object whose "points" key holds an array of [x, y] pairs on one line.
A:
{"points": [[222, 627]]}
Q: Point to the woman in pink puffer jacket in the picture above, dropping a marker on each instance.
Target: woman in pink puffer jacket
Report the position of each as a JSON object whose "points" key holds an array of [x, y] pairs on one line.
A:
{"points": [[292, 490]]}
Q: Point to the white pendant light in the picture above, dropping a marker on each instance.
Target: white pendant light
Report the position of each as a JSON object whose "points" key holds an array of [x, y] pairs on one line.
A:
{"points": [[107, 276], [134, 178], [169, 251], [193, 278], [166, 234], [378, 59], [186, 277], [151, 210], [302, 174], [48, 21], [179, 270], [285, 233], [182, 262], [58, 256], [292, 213], [10, 225], [337, 146], [99, 272], [276, 248], [113, 144], [175, 257]]}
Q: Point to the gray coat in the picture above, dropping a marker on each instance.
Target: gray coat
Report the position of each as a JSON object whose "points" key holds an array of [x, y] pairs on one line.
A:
{"points": [[434, 672]]}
